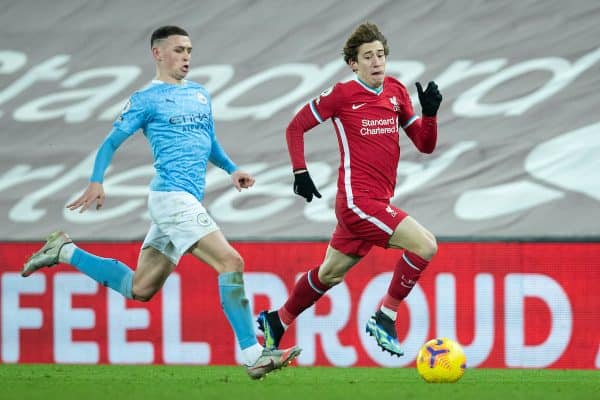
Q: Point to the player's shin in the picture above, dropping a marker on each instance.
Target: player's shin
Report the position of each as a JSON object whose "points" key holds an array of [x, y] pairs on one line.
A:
{"points": [[306, 292], [406, 274], [237, 309]]}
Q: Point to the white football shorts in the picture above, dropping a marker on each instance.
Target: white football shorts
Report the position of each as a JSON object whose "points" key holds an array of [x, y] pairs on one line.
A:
{"points": [[178, 221]]}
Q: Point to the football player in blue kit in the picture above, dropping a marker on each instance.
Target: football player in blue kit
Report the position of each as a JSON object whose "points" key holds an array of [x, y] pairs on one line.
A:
{"points": [[175, 115]]}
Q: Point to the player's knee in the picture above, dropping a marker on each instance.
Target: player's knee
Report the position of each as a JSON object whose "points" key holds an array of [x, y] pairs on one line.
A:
{"points": [[330, 279], [233, 263], [334, 280], [428, 248]]}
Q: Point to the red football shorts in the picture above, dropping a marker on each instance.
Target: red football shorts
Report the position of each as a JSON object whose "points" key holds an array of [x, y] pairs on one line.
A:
{"points": [[364, 223]]}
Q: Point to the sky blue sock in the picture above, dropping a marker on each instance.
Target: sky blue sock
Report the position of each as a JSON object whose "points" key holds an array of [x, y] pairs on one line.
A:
{"points": [[236, 307], [106, 271]]}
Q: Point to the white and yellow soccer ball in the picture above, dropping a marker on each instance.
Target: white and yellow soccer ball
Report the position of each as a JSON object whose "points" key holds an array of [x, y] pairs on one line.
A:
{"points": [[441, 360]]}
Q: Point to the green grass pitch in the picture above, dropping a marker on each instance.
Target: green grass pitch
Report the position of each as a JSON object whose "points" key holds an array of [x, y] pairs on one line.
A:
{"points": [[84, 382]]}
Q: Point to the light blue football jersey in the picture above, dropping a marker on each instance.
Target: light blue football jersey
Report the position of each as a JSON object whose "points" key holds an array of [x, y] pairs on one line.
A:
{"points": [[177, 121]]}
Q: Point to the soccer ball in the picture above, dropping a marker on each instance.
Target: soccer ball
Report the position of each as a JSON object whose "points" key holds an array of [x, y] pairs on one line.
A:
{"points": [[441, 360]]}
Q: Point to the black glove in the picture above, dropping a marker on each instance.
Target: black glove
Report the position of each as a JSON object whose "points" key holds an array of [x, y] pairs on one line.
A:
{"points": [[430, 99], [304, 186]]}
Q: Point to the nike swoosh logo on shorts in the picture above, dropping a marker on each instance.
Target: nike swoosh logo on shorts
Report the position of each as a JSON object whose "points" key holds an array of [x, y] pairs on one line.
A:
{"points": [[357, 106]]}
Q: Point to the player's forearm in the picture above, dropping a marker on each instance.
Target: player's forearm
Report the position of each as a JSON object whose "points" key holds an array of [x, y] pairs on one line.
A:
{"points": [[295, 144], [423, 133], [302, 122], [105, 154], [219, 158]]}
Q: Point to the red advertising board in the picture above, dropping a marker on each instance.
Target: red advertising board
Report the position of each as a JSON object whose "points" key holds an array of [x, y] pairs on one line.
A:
{"points": [[509, 304]]}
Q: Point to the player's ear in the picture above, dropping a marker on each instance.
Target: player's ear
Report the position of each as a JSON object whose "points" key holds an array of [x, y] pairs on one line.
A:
{"points": [[353, 65], [156, 53]]}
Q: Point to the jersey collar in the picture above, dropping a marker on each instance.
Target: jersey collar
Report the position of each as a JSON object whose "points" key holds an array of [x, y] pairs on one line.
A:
{"points": [[371, 89], [159, 82]]}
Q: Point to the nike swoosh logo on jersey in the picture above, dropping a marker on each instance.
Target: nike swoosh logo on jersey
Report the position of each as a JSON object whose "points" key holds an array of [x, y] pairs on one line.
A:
{"points": [[357, 106]]}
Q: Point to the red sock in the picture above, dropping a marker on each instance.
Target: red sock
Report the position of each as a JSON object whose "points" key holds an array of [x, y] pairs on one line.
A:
{"points": [[306, 292], [407, 273]]}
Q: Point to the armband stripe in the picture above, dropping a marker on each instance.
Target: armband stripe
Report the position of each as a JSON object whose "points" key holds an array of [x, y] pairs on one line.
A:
{"points": [[315, 112], [410, 121]]}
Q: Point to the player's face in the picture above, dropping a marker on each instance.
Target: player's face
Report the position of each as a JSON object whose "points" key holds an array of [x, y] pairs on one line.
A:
{"points": [[173, 56], [370, 63]]}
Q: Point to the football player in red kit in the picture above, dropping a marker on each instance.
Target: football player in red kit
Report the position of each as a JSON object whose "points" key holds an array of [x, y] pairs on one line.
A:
{"points": [[367, 114]]}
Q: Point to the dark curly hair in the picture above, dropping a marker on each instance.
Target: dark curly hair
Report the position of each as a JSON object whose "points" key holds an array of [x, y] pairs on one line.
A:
{"points": [[365, 33]]}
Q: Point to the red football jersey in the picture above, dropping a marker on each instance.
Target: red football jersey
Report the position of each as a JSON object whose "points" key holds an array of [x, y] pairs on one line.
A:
{"points": [[367, 125]]}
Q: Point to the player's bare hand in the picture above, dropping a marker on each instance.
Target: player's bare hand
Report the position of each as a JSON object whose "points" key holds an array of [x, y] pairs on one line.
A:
{"points": [[94, 193], [242, 180]]}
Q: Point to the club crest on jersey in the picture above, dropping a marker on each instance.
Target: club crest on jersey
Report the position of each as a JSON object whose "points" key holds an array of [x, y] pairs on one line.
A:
{"points": [[201, 98], [324, 93], [394, 102]]}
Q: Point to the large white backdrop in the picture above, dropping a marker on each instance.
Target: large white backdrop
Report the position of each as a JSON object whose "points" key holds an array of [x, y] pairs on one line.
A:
{"points": [[519, 132]]}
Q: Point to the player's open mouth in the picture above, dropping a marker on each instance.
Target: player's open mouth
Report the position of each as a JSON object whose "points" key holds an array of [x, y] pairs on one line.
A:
{"points": [[185, 68]]}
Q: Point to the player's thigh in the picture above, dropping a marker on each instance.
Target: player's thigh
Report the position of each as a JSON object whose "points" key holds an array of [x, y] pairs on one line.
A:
{"points": [[216, 251], [368, 222], [412, 236], [152, 271], [335, 266], [179, 221]]}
